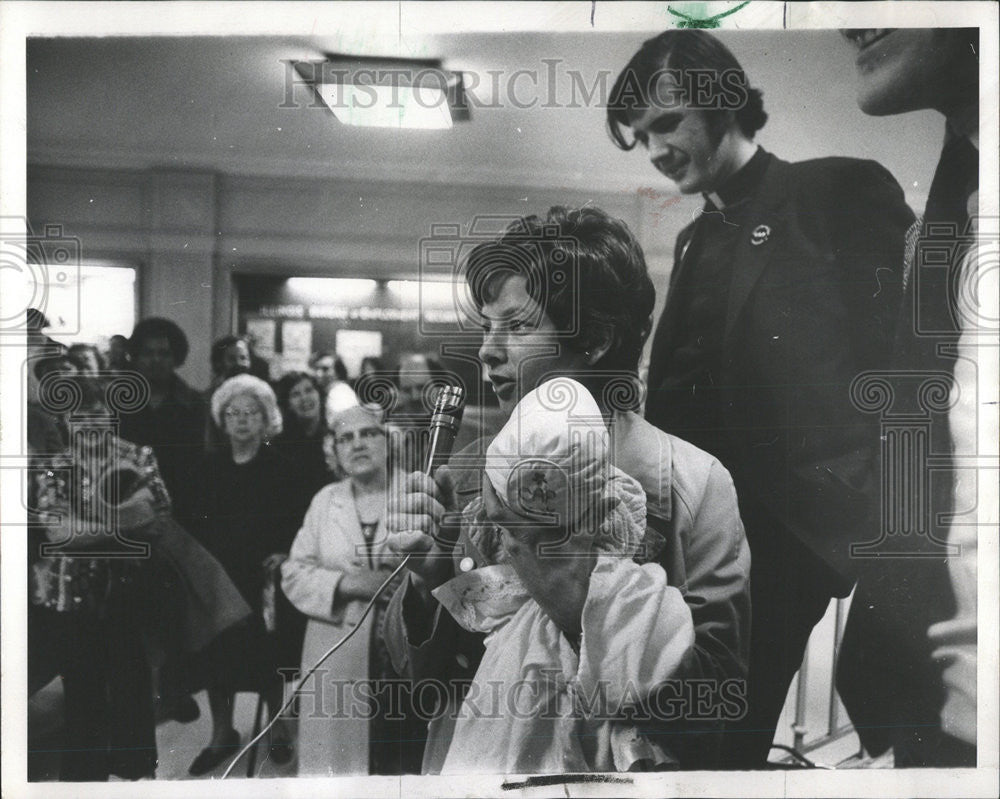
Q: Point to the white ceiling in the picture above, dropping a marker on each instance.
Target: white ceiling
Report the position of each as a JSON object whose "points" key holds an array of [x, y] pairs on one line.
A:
{"points": [[214, 103]]}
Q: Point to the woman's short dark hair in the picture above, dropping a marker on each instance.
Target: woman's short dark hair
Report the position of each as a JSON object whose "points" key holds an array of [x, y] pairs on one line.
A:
{"points": [[587, 272], [690, 54], [283, 389], [158, 327]]}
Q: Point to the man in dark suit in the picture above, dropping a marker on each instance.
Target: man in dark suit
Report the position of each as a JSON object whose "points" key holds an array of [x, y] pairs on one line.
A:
{"points": [[907, 671], [783, 289]]}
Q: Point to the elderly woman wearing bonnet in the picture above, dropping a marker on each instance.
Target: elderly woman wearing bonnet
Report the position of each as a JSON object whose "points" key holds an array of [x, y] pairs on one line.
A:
{"points": [[245, 520], [550, 463], [338, 561]]}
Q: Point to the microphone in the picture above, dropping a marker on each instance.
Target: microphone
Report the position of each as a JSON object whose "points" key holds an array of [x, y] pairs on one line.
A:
{"points": [[445, 421]]}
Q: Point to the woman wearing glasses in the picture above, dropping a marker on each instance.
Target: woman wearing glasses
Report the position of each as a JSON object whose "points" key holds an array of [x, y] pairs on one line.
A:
{"points": [[247, 521], [336, 564]]}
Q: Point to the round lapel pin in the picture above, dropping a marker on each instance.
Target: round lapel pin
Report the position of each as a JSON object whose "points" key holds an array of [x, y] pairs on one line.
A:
{"points": [[760, 234]]}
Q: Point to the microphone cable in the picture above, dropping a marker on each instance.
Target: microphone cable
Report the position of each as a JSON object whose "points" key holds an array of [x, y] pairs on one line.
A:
{"points": [[315, 666], [445, 421]]}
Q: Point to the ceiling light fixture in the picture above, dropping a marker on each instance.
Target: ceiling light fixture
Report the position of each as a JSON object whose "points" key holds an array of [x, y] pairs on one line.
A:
{"points": [[387, 92]]}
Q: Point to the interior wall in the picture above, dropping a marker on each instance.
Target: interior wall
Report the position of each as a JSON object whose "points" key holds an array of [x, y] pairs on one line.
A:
{"points": [[189, 231]]}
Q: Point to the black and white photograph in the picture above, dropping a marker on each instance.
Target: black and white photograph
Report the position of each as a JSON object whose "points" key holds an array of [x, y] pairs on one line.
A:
{"points": [[500, 398]]}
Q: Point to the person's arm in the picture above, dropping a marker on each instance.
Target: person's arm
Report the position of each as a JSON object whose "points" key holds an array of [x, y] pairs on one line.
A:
{"points": [[717, 577], [422, 638]]}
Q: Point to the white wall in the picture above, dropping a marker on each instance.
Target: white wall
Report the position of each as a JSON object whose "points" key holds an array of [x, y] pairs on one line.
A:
{"points": [[188, 232]]}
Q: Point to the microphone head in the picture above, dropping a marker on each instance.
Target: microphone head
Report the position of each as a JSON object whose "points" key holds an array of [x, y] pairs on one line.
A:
{"points": [[449, 399], [448, 407]]}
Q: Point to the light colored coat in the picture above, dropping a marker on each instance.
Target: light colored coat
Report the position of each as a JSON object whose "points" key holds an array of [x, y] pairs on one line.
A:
{"points": [[333, 724]]}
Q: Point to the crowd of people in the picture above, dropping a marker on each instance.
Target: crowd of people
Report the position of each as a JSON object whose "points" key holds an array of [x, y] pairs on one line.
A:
{"points": [[235, 469], [700, 535]]}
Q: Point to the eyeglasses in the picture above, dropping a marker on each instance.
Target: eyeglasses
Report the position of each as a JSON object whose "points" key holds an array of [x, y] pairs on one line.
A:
{"points": [[234, 415], [364, 434]]}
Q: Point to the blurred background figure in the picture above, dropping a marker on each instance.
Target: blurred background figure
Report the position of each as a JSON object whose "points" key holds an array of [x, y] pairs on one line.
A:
{"points": [[417, 377], [172, 422], [46, 431], [91, 613], [246, 519], [230, 356], [259, 366], [301, 438], [340, 552], [118, 359], [370, 365], [87, 358], [331, 374]]}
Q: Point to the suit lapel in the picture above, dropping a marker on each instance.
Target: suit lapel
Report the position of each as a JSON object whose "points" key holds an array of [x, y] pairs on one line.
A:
{"points": [[760, 239]]}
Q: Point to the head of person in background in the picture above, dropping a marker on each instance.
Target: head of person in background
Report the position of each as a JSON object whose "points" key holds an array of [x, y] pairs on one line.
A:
{"points": [[157, 348], [230, 356], [58, 362], [87, 358], [117, 356], [301, 404], [418, 378], [370, 365], [685, 99], [327, 368], [245, 408], [359, 444], [568, 294], [908, 69], [259, 366]]}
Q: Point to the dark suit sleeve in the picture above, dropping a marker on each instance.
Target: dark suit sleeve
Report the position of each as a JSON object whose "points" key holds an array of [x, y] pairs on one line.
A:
{"points": [[819, 480], [867, 218]]}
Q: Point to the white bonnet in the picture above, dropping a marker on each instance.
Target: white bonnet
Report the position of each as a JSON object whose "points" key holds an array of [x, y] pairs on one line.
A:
{"points": [[526, 462]]}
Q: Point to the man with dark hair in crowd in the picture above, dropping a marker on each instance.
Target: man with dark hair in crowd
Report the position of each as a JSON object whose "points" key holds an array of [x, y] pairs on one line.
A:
{"points": [[783, 289], [230, 356], [172, 422], [903, 688]]}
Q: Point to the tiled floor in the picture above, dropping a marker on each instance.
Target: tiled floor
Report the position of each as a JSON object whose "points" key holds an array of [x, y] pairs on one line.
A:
{"points": [[179, 744]]}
